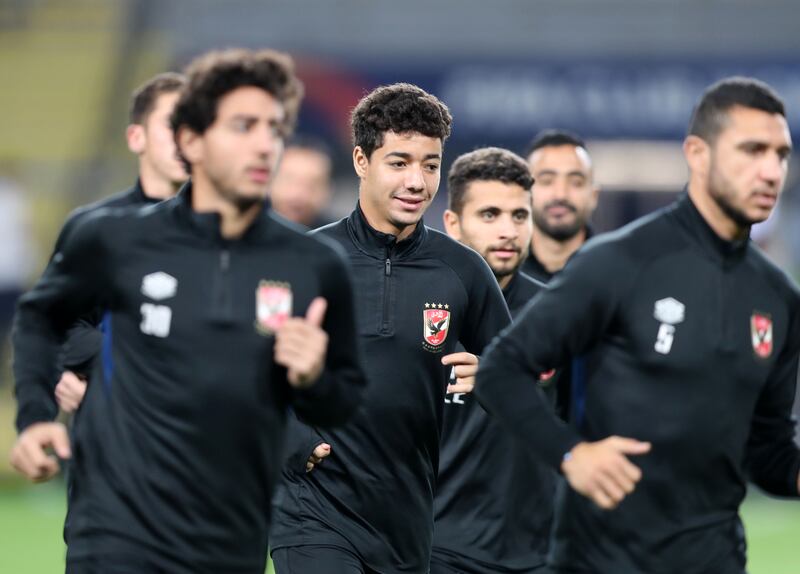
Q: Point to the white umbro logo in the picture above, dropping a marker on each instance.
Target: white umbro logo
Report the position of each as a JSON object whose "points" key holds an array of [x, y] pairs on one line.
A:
{"points": [[159, 285], [669, 312]]}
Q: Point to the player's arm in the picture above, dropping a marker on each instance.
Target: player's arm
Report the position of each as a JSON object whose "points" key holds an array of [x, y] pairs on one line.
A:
{"points": [[562, 321], [772, 459], [486, 314], [322, 355], [69, 287]]}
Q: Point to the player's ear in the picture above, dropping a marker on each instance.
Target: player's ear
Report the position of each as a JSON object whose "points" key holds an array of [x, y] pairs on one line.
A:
{"points": [[698, 155], [452, 224], [136, 138], [360, 162]]}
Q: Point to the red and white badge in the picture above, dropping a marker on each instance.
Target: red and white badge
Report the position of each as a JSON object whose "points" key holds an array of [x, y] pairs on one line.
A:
{"points": [[273, 306], [436, 322], [761, 334]]}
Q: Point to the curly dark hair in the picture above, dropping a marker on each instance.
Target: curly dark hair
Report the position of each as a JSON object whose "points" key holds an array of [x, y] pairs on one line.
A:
{"points": [[215, 74], [485, 164], [400, 108]]}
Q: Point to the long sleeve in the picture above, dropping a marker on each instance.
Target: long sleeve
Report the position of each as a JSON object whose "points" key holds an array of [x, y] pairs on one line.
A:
{"points": [[772, 458], [338, 392], [488, 313], [564, 320], [69, 288]]}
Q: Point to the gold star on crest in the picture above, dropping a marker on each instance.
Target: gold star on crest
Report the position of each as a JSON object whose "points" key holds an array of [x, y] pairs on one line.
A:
{"points": [[427, 305]]}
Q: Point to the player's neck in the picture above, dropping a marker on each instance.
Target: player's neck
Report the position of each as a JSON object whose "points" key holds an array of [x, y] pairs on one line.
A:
{"points": [[553, 254], [719, 221], [234, 221], [155, 186], [505, 280], [378, 223]]}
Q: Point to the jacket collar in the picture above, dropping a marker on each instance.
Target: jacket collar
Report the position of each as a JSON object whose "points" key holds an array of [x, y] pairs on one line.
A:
{"points": [[382, 245], [207, 224], [698, 228], [138, 194]]}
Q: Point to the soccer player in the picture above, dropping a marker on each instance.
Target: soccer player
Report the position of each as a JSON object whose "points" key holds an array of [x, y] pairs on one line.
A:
{"points": [[368, 506], [161, 173], [302, 187], [692, 339], [494, 500], [212, 330], [564, 198]]}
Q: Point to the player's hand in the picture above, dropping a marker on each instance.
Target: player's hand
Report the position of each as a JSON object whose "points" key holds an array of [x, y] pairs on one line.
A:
{"points": [[320, 453], [30, 456], [70, 391], [601, 471], [465, 366], [301, 345]]}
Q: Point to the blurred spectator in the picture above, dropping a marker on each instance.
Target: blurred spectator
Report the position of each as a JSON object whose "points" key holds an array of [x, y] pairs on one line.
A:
{"points": [[301, 191]]}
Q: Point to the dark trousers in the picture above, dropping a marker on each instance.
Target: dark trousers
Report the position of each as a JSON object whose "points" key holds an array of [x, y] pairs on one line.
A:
{"points": [[317, 560]]}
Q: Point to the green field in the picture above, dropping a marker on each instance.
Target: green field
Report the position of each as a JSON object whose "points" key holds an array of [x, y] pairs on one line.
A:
{"points": [[31, 518]]}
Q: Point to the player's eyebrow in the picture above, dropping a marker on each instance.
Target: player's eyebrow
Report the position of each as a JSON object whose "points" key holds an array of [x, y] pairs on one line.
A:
{"points": [[408, 156]]}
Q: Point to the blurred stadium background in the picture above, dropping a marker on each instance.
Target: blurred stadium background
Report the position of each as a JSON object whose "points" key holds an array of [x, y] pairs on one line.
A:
{"points": [[622, 73]]}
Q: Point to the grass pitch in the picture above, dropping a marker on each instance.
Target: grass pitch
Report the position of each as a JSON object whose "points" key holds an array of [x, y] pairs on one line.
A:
{"points": [[31, 519]]}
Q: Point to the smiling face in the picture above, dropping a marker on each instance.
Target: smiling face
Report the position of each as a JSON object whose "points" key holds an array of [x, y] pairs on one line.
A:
{"points": [[398, 181], [495, 221], [237, 155], [564, 195]]}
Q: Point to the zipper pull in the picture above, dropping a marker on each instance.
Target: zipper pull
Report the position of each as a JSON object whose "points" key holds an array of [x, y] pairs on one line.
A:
{"points": [[224, 259], [388, 267]]}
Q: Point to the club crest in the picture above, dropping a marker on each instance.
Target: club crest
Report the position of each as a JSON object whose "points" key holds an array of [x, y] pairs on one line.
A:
{"points": [[273, 306], [761, 334], [436, 323]]}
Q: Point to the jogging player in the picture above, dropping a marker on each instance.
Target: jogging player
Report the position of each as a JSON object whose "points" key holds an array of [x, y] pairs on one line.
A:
{"points": [[161, 173], [368, 506], [212, 330], [494, 500], [692, 339]]}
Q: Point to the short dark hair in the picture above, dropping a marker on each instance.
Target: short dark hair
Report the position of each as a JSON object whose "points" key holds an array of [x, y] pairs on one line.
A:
{"points": [[143, 99], [553, 138], [399, 108], [710, 116], [485, 164], [216, 74]]}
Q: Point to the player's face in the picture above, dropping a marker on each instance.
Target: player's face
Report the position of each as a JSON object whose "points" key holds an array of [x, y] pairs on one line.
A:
{"points": [[301, 189], [564, 196], [399, 180], [496, 222], [748, 164], [159, 143], [238, 154]]}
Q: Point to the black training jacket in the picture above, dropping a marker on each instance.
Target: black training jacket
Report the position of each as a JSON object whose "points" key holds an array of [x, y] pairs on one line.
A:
{"points": [[179, 440], [373, 495], [84, 340], [691, 343], [494, 499]]}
